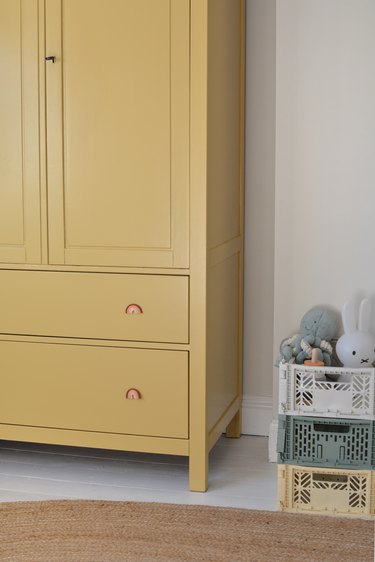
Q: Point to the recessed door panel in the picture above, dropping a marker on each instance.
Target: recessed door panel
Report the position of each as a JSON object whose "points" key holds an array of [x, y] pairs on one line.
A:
{"points": [[19, 143], [117, 131]]}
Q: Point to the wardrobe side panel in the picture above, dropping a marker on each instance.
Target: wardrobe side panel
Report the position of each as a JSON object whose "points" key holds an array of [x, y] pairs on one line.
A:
{"points": [[222, 338], [224, 220], [224, 76]]}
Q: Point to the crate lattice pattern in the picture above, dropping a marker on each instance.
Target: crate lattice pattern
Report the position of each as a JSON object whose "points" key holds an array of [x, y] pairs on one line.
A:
{"points": [[310, 443], [355, 486], [306, 385]]}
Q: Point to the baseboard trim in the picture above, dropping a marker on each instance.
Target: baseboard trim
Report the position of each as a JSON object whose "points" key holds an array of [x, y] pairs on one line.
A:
{"points": [[256, 415]]}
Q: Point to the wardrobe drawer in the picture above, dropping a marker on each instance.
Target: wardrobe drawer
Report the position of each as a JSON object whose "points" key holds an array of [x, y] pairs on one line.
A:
{"points": [[94, 305], [85, 388]]}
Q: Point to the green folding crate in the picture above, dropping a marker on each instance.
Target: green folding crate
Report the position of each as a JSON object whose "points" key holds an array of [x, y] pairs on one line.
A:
{"points": [[326, 442]]}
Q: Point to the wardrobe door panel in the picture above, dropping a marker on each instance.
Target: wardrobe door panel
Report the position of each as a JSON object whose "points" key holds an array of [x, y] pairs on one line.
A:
{"points": [[117, 132], [19, 129]]}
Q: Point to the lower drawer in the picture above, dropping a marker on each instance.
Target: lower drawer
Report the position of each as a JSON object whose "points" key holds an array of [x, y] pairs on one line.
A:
{"points": [[85, 388]]}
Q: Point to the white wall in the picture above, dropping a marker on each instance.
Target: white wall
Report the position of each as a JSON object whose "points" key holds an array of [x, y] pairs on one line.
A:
{"points": [[324, 189], [325, 155], [259, 213]]}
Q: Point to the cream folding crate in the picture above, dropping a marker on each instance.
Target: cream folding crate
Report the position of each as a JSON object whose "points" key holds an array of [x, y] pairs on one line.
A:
{"points": [[326, 391], [326, 491]]}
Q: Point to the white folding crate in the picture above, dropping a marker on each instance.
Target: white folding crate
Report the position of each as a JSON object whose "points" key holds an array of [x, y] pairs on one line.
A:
{"points": [[326, 391], [326, 491]]}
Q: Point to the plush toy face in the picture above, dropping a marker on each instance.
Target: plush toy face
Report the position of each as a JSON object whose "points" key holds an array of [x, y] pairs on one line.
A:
{"points": [[320, 322], [356, 349]]}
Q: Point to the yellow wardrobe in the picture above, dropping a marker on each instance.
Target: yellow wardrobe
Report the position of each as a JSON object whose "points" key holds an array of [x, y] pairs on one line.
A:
{"points": [[121, 188]]}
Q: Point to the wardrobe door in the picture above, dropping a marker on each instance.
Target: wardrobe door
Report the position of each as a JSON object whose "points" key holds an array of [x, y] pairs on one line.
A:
{"points": [[19, 141], [117, 132]]}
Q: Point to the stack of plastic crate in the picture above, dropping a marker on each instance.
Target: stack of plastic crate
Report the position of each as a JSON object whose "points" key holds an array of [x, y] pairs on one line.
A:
{"points": [[326, 440]]}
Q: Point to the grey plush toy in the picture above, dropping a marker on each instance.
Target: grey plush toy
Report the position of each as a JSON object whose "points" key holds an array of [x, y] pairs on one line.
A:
{"points": [[318, 326]]}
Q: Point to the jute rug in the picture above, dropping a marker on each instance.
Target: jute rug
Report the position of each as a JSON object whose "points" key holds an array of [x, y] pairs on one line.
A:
{"points": [[96, 531]]}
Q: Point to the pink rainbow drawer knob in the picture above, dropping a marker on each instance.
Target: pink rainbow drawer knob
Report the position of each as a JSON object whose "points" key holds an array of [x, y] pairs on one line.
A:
{"points": [[133, 394], [133, 309]]}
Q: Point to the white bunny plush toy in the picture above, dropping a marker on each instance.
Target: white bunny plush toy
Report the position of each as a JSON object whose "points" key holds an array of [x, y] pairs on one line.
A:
{"points": [[356, 347]]}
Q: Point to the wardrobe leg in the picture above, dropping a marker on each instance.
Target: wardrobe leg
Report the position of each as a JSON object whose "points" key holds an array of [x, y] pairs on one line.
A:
{"points": [[198, 471], [234, 427]]}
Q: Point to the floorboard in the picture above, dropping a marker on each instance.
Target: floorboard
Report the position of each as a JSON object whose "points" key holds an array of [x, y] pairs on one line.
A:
{"points": [[240, 475]]}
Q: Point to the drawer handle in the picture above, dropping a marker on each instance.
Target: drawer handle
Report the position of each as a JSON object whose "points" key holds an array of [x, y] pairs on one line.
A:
{"points": [[134, 309], [133, 394]]}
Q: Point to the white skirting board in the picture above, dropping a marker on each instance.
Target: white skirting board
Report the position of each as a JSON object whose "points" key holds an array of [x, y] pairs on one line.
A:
{"points": [[256, 415]]}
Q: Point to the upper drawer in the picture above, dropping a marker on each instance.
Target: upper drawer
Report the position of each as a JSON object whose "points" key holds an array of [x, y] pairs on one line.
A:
{"points": [[94, 305]]}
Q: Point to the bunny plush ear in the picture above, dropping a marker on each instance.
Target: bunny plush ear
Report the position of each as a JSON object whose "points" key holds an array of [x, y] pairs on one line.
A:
{"points": [[349, 317], [364, 315]]}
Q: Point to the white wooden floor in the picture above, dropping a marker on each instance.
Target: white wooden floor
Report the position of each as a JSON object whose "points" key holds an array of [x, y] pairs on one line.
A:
{"points": [[240, 475]]}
